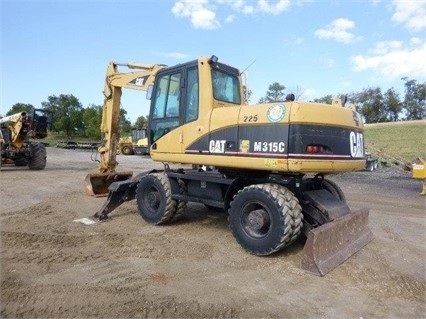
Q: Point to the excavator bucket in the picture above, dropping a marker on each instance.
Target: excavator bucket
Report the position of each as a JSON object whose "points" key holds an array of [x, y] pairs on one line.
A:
{"points": [[329, 245], [97, 184]]}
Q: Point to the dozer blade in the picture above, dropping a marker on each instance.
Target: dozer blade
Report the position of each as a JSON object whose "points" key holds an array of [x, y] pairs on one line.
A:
{"points": [[329, 245], [97, 184]]}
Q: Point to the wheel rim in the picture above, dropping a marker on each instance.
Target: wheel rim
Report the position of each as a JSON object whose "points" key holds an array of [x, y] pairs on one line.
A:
{"points": [[255, 220], [152, 200]]}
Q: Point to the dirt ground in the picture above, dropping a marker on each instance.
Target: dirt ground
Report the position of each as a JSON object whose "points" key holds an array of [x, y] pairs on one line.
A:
{"points": [[53, 267]]}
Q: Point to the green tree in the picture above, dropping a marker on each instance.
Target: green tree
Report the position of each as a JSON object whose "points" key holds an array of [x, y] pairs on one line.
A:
{"points": [[247, 94], [275, 93], [20, 107], [393, 104], [325, 99], [92, 117], [67, 114], [414, 101], [141, 121], [125, 124], [370, 104]]}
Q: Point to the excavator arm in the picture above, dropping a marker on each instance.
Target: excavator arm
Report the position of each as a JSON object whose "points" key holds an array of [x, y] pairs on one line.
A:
{"points": [[115, 81]]}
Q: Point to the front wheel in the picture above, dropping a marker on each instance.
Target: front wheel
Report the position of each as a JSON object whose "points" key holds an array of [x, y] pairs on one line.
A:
{"points": [[265, 218], [154, 199], [38, 157]]}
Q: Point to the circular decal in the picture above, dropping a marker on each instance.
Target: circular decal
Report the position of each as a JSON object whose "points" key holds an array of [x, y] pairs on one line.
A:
{"points": [[276, 113]]}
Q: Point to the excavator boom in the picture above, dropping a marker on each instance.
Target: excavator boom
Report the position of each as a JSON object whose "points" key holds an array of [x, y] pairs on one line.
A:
{"points": [[97, 184]]}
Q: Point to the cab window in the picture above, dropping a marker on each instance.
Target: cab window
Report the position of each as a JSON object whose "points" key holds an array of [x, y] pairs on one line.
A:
{"points": [[226, 87], [165, 113], [167, 96], [192, 98]]}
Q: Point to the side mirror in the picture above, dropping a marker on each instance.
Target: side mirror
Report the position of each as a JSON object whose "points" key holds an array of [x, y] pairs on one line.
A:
{"points": [[149, 92]]}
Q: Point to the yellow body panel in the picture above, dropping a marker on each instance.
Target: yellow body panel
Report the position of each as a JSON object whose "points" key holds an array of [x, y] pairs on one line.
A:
{"points": [[330, 115], [419, 169], [267, 164], [229, 116]]}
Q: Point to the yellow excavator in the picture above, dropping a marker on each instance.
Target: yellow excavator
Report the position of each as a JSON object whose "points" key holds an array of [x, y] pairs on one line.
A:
{"points": [[137, 143], [265, 164], [16, 130]]}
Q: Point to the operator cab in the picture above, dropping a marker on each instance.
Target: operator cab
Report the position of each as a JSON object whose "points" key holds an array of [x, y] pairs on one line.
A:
{"points": [[175, 96]]}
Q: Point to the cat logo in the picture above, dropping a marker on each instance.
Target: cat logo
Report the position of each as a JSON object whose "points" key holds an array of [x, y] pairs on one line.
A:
{"points": [[356, 144], [217, 146]]}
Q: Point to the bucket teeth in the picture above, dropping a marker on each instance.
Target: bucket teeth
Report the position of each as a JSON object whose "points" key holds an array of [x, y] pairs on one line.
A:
{"points": [[329, 245]]}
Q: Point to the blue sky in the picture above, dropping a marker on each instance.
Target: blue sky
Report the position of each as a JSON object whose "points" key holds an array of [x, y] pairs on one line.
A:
{"points": [[314, 48]]}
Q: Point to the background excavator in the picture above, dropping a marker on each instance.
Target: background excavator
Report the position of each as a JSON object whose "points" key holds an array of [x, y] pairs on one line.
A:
{"points": [[16, 129], [265, 164], [137, 143]]}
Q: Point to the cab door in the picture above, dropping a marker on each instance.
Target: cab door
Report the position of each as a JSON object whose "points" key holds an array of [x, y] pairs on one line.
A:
{"points": [[165, 120]]}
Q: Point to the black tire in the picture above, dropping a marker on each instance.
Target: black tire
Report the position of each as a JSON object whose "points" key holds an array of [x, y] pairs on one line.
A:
{"points": [[127, 150], [154, 199], [265, 218], [333, 188], [295, 211], [38, 157], [181, 204]]}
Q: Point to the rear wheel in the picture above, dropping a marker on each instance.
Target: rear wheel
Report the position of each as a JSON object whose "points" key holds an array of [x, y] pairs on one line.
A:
{"points": [[333, 188], [127, 150], [154, 199], [38, 157], [265, 218]]}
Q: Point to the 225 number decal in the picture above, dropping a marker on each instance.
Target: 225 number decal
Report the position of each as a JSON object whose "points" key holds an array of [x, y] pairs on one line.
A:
{"points": [[250, 118]]}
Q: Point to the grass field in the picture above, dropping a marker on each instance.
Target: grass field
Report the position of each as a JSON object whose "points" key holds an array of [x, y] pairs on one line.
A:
{"points": [[396, 141]]}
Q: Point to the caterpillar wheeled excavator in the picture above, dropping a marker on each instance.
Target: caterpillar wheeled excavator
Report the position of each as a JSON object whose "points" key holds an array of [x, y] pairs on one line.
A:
{"points": [[16, 129], [265, 164]]}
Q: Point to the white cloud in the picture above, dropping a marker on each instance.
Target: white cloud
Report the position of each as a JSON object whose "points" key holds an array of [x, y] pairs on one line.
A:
{"points": [[230, 18], [238, 5], [203, 13], [274, 9], [200, 13], [384, 47], [248, 10], [338, 30], [412, 14], [392, 59], [415, 41]]}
